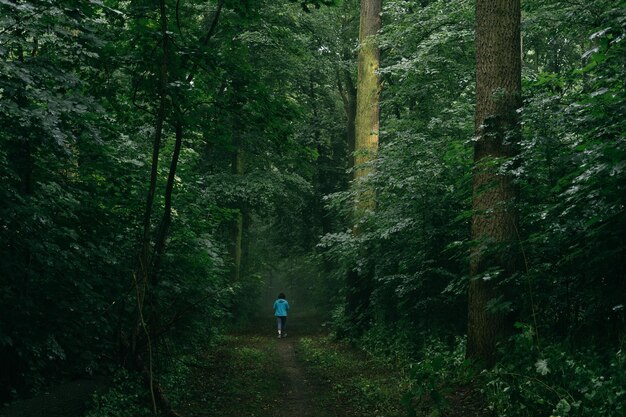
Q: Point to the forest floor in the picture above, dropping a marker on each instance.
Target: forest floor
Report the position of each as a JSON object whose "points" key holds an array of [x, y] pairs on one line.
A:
{"points": [[255, 374]]}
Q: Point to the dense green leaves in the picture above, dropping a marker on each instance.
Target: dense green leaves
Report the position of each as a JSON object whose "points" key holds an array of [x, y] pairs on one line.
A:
{"points": [[78, 98], [262, 93], [415, 243]]}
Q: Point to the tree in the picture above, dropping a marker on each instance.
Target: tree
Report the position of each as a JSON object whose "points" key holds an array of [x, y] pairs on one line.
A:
{"points": [[366, 133], [367, 117], [494, 221]]}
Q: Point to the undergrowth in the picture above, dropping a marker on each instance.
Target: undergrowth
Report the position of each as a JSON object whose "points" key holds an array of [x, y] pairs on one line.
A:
{"points": [[126, 397], [361, 384], [557, 380]]}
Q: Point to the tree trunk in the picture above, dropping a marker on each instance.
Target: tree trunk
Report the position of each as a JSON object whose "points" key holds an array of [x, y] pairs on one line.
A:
{"points": [[367, 102], [494, 220], [166, 219], [358, 286], [143, 267]]}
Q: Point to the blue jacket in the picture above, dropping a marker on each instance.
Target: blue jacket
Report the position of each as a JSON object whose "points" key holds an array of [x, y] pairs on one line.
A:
{"points": [[281, 307]]}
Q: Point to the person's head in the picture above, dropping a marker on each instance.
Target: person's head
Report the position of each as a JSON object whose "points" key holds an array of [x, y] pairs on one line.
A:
{"points": [[281, 295]]}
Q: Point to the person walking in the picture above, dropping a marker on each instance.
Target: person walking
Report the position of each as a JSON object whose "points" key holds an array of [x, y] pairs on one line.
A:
{"points": [[281, 307]]}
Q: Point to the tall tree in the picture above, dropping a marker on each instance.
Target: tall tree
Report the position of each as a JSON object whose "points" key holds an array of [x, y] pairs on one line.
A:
{"points": [[494, 220], [367, 117], [366, 132]]}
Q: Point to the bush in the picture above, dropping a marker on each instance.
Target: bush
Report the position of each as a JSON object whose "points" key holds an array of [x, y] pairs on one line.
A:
{"points": [[557, 381], [442, 370], [127, 397]]}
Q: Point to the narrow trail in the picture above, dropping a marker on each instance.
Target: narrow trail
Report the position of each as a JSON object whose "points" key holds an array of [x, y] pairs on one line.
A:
{"points": [[255, 375], [298, 392]]}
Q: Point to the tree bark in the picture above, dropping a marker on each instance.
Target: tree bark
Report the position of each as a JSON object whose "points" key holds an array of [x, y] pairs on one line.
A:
{"points": [[358, 285], [166, 219], [494, 221], [367, 102]]}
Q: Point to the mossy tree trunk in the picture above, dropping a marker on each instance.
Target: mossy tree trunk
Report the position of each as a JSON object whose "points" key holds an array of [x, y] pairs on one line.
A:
{"points": [[366, 132], [367, 115]]}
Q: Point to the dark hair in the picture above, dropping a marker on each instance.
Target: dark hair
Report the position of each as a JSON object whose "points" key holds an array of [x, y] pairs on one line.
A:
{"points": [[281, 295]]}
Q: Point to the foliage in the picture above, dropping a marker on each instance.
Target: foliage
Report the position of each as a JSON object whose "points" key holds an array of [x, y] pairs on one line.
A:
{"points": [[363, 385], [572, 220], [240, 375], [441, 370], [412, 249], [126, 397], [258, 95], [79, 97], [558, 381], [409, 245], [58, 159]]}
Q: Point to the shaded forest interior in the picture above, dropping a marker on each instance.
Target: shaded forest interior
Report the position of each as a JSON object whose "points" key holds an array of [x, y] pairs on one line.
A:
{"points": [[438, 187]]}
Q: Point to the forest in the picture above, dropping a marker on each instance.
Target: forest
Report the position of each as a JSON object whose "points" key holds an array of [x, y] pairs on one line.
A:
{"points": [[437, 186]]}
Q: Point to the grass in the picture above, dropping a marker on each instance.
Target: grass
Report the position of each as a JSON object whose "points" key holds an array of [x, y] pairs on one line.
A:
{"points": [[244, 376], [239, 377], [360, 385]]}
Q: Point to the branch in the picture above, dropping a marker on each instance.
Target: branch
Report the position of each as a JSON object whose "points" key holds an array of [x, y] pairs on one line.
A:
{"points": [[205, 40], [179, 315], [166, 219], [18, 21]]}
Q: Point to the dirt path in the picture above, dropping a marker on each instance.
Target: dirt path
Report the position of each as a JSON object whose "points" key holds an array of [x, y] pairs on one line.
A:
{"points": [[298, 392], [253, 375]]}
